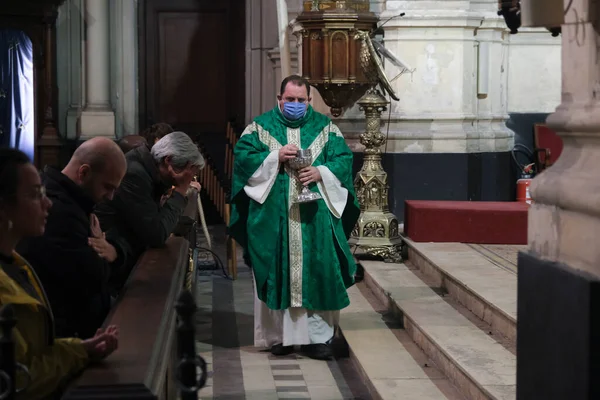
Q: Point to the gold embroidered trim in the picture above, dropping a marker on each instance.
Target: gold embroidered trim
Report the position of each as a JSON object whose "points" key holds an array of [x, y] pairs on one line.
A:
{"points": [[294, 220], [336, 130], [249, 129], [319, 143], [263, 135], [294, 229]]}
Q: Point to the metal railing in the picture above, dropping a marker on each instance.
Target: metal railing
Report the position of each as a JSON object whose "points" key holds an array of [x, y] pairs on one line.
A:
{"points": [[190, 363]]}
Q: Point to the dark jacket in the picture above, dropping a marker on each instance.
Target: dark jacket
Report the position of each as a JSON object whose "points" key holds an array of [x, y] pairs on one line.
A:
{"points": [[74, 276], [134, 217]]}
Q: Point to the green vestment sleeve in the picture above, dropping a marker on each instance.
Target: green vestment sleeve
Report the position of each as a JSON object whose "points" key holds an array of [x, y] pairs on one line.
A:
{"points": [[249, 154]]}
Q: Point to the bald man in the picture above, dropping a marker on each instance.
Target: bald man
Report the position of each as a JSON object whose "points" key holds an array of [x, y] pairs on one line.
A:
{"points": [[73, 259]]}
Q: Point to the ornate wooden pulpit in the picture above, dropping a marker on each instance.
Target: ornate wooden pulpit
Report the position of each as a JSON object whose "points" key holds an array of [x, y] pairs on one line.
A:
{"points": [[330, 49]]}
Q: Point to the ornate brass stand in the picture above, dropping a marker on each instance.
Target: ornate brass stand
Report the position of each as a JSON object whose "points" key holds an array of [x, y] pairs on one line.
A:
{"points": [[340, 60], [376, 232]]}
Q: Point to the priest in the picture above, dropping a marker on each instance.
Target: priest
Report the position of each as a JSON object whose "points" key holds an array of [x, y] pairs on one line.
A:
{"points": [[299, 253]]}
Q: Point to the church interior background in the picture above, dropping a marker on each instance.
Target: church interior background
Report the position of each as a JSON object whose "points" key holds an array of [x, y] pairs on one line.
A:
{"points": [[78, 69], [125, 64]]}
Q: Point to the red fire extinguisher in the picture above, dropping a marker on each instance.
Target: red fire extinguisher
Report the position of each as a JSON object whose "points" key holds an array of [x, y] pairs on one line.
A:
{"points": [[523, 183]]}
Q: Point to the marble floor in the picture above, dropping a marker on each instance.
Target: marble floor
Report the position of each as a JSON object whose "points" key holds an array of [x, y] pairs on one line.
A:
{"points": [[238, 370]]}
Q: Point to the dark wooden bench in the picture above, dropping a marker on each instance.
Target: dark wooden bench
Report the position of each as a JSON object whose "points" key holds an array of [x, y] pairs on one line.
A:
{"points": [[143, 365]]}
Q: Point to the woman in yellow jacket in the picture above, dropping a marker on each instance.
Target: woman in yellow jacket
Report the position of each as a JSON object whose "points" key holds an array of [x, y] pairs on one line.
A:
{"points": [[50, 362]]}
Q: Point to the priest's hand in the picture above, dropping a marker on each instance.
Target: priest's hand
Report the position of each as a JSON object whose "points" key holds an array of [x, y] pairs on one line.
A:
{"points": [[309, 175], [287, 152]]}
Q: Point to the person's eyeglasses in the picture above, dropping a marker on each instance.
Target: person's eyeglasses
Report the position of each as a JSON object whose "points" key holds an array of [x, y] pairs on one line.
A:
{"points": [[36, 193], [40, 192]]}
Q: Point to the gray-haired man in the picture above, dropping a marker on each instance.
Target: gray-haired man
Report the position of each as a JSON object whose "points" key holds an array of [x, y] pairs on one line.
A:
{"points": [[135, 218]]}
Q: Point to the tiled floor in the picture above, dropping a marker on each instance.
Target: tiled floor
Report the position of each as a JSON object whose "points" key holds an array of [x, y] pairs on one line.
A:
{"points": [[238, 370]]}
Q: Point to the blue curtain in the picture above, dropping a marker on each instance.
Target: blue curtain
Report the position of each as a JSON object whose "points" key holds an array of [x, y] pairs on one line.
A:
{"points": [[16, 92]]}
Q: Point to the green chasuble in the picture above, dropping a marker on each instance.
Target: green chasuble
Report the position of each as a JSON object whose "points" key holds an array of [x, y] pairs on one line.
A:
{"points": [[299, 252]]}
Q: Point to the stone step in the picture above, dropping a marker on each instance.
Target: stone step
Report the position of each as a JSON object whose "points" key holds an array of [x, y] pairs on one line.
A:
{"points": [[390, 368], [477, 364], [481, 280]]}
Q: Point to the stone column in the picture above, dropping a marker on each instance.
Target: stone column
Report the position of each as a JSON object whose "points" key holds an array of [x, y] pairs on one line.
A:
{"points": [[124, 71], [559, 278], [261, 37], [69, 74], [98, 118]]}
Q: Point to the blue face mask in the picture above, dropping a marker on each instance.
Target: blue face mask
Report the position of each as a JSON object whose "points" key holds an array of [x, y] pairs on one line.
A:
{"points": [[293, 111]]}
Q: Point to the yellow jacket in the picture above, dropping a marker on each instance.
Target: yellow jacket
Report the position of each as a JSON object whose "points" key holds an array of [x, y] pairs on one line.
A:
{"points": [[51, 362]]}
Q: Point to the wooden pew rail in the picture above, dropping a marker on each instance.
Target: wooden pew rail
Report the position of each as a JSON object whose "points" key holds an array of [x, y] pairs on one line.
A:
{"points": [[149, 356]]}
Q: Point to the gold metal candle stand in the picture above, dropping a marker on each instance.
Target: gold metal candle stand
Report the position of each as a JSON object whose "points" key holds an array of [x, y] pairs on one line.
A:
{"points": [[338, 58], [376, 232]]}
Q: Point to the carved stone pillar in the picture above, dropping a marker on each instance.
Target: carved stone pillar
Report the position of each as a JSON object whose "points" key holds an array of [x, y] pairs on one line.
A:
{"points": [[69, 39], [98, 118], [124, 70], [559, 278]]}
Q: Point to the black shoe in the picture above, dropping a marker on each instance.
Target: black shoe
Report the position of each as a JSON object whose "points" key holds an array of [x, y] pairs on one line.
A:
{"points": [[281, 350], [319, 351]]}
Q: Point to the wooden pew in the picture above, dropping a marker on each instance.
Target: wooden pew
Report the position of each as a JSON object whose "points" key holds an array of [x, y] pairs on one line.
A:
{"points": [[143, 365]]}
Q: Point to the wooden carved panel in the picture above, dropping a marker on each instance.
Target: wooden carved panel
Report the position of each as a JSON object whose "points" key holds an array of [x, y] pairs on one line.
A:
{"points": [[316, 55], [339, 56]]}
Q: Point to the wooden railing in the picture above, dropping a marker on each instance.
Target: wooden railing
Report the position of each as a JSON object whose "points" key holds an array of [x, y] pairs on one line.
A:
{"points": [[147, 364], [218, 190], [232, 139]]}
